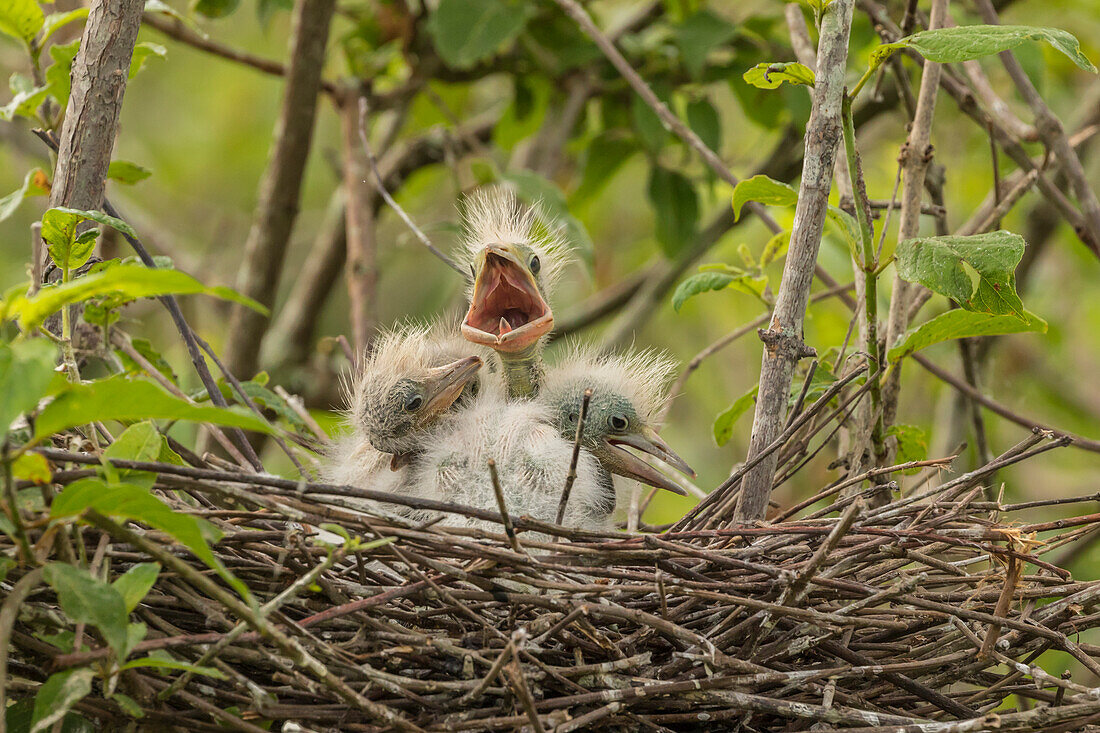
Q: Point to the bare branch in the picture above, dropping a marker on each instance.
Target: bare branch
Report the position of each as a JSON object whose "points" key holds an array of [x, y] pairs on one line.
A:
{"points": [[783, 339], [361, 267], [280, 187]]}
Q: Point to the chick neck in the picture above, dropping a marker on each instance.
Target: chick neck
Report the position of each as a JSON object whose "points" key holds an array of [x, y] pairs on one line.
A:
{"points": [[523, 372]]}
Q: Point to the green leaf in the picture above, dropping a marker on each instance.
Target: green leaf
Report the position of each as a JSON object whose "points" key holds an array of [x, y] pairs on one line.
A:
{"points": [[6, 564], [58, 694], [262, 397], [957, 324], [26, 98], [846, 226], [912, 444], [35, 183], [126, 501], [26, 370], [533, 189], [159, 663], [139, 442], [58, 80], [154, 357], [965, 43], [704, 121], [605, 155], [723, 424], [32, 467], [700, 282], [771, 75], [126, 172], [469, 31], [215, 8], [775, 248], [119, 398], [68, 250], [135, 583], [677, 209], [129, 705], [56, 21], [132, 281], [21, 19], [142, 53], [86, 599], [977, 272], [764, 190], [698, 35], [651, 131]]}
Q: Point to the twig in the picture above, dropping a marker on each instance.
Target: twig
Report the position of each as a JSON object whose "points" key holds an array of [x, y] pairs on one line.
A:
{"points": [[9, 612], [503, 507], [572, 475], [381, 186], [361, 265]]}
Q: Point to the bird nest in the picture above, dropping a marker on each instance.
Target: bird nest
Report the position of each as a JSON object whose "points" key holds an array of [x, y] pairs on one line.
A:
{"points": [[932, 613]]}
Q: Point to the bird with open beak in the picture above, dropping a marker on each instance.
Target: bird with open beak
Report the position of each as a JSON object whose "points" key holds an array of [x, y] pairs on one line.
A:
{"points": [[628, 392], [514, 255]]}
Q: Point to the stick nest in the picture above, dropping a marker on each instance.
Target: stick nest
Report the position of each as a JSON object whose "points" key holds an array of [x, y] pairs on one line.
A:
{"points": [[928, 614]]}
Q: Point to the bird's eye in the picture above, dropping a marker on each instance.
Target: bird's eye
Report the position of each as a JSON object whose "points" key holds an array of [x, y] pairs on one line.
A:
{"points": [[617, 422], [572, 417], [413, 402], [535, 265]]}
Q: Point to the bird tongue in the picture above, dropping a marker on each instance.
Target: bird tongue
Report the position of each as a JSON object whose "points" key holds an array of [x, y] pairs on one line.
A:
{"points": [[504, 327]]}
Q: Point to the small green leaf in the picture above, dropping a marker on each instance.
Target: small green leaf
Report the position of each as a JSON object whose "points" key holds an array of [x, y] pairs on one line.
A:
{"points": [[6, 564], [676, 206], [26, 370], [941, 265], [775, 248], [67, 250], [723, 424], [467, 32], [704, 121], [771, 75], [957, 324], [58, 694], [215, 8], [119, 398], [136, 503], [129, 705], [132, 281], [26, 97], [139, 442], [846, 226], [651, 132], [965, 43], [126, 172], [21, 19], [32, 467], [135, 583], [698, 35], [159, 663], [764, 190], [35, 183], [700, 282], [58, 80], [144, 52], [912, 444], [56, 21], [86, 599]]}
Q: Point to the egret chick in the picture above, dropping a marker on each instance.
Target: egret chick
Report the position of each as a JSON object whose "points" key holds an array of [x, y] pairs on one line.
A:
{"points": [[514, 256], [628, 392]]}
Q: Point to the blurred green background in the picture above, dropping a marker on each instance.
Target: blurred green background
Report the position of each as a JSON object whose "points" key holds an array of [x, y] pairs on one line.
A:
{"points": [[203, 126]]}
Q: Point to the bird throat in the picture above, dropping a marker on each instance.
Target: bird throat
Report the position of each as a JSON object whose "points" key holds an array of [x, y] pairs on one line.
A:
{"points": [[523, 371]]}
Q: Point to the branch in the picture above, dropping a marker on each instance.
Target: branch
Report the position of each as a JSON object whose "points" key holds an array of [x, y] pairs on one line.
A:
{"points": [[1050, 130], [280, 187], [361, 264], [916, 154], [783, 343], [99, 77], [175, 28]]}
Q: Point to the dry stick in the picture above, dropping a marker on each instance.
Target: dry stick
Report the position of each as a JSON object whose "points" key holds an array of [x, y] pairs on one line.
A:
{"points": [[281, 184], [783, 345], [916, 154], [175, 28], [962, 386], [1050, 129], [381, 186], [1012, 577], [361, 243], [287, 645], [572, 476], [499, 493], [9, 613]]}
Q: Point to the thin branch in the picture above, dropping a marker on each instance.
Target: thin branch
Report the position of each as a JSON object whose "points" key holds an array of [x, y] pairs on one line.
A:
{"points": [[502, 506], [361, 267], [572, 475]]}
